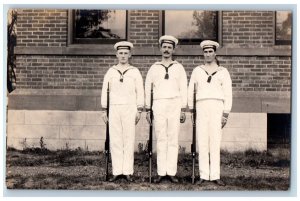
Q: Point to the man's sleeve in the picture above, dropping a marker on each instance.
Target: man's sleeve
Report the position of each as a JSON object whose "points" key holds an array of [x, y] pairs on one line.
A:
{"points": [[140, 90], [183, 88], [227, 89], [148, 83], [104, 90], [191, 90]]}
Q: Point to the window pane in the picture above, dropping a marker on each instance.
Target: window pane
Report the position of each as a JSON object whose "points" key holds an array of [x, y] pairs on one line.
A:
{"points": [[193, 25], [100, 24], [283, 25]]}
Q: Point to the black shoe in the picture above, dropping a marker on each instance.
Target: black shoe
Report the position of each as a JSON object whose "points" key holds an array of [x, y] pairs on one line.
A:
{"points": [[219, 182], [173, 179], [157, 179], [114, 178], [200, 181], [128, 178]]}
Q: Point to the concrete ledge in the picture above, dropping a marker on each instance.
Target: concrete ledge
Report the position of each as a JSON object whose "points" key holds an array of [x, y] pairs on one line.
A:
{"points": [[54, 102], [150, 51]]}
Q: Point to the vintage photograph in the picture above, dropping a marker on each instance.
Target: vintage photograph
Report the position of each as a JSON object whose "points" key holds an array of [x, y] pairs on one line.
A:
{"points": [[149, 100]]}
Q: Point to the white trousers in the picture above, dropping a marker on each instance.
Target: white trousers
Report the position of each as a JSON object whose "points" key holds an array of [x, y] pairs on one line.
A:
{"points": [[167, 126], [209, 134], [122, 137]]}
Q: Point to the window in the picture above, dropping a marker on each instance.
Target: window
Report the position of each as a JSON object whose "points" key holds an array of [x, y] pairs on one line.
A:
{"points": [[283, 27], [99, 26], [191, 26]]}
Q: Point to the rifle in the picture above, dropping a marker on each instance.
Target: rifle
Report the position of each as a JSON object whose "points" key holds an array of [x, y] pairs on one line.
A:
{"points": [[193, 145], [107, 137], [150, 136]]}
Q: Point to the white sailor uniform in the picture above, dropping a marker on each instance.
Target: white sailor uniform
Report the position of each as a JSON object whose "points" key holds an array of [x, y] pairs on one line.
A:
{"points": [[214, 96], [126, 95], [169, 96]]}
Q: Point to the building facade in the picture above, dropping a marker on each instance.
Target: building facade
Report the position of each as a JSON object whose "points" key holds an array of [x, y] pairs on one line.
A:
{"points": [[59, 72]]}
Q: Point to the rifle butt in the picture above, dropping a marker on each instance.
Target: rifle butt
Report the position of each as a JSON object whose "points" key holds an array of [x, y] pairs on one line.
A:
{"points": [[106, 166], [150, 169], [193, 171]]}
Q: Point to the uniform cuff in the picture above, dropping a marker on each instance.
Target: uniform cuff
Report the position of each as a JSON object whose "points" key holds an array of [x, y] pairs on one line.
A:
{"points": [[225, 114], [191, 110]]}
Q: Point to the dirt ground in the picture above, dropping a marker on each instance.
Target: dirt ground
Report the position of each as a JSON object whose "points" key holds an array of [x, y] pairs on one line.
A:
{"points": [[81, 170]]}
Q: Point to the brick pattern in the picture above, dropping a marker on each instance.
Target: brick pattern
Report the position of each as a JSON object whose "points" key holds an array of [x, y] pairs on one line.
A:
{"points": [[78, 72], [41, 27], [61, 72], [259, 73], [144, 28], [248, 28]]}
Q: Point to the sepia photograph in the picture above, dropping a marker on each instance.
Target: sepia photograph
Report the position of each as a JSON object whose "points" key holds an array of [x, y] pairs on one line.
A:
{"points": [[149, 100]]}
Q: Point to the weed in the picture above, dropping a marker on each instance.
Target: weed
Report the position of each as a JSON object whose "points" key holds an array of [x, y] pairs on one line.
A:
{"points": [[182, 149], [42, 144], [142, 149], [24, 143]]}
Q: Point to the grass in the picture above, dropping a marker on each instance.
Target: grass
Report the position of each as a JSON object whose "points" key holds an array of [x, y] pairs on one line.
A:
{"points": [[78, 169], [277, 157]]}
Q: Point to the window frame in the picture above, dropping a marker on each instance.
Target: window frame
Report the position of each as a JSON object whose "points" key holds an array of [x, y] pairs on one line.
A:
{"points": [[282, 42], [188, 42], [92, 41]]}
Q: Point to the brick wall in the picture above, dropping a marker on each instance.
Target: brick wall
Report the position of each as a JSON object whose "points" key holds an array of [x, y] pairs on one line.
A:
{"points": [[248, 28], [87, 72], [144, 25], [259, 73], [41, 27]]}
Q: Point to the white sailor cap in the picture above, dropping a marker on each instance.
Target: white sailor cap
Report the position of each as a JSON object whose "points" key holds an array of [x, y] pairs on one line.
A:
{"points": [[168, 39], [209, 44], [123, 45]]}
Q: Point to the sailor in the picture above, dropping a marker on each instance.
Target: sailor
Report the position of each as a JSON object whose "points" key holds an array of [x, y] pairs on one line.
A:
{"points": [[169, 102], [213, 105], [126, 104]]}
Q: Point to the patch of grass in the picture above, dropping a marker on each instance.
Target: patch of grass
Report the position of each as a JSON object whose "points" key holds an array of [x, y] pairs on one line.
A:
{"points": [[253, 158], [37, 150], [38, 157], [63, 158], [260, 182]]}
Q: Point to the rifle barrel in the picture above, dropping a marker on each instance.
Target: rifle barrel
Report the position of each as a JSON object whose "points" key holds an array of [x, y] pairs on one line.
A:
{"points": [[193, 147], [107, 137], [150, 135]]}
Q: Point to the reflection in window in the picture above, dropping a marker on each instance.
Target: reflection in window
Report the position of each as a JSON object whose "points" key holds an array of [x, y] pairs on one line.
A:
{"points": [[283, 33], [191, 26], [99, 26]]}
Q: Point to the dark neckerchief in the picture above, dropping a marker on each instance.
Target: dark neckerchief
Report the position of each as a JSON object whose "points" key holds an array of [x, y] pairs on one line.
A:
{"points": [[210, 75], [122, 74], [167, 68]]}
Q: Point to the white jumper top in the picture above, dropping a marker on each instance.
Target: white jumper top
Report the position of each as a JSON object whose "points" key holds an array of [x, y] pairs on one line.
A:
{"points": [[173, 87], [219, 87], [126, 86]]}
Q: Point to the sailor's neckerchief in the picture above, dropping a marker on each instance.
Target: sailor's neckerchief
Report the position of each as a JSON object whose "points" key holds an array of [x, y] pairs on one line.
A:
{"points": [[166, 67], [210, 75], [122, 73]]}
